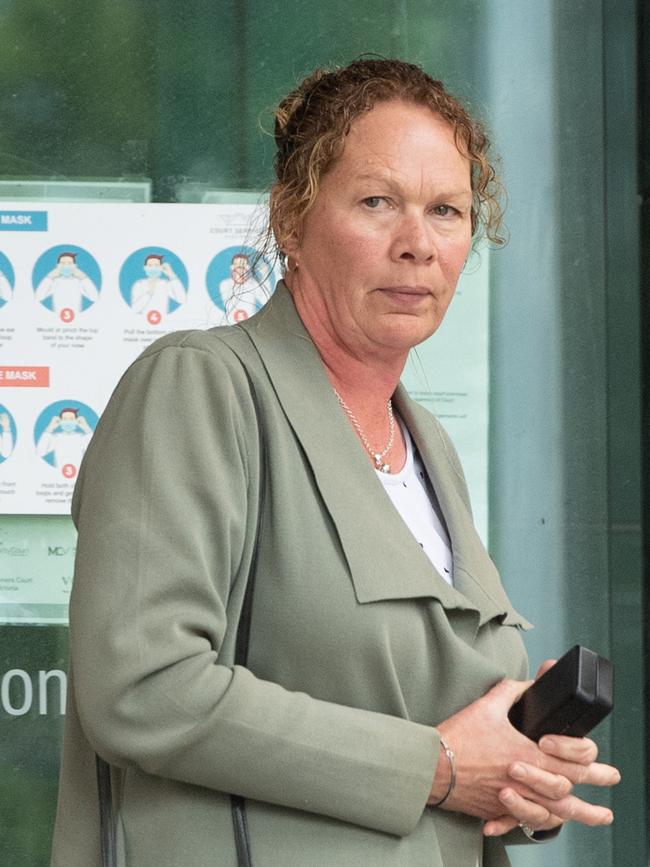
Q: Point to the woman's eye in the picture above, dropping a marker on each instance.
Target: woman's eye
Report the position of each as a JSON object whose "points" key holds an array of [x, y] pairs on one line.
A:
{"points": [[373, 201], [444, 210]]}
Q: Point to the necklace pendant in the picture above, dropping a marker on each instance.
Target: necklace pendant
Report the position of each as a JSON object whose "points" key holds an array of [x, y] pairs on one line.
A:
{"points": [[377, 457]]}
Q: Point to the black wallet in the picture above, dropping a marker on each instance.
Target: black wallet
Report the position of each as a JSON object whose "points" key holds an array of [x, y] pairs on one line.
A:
{"points": [[569, 699]]}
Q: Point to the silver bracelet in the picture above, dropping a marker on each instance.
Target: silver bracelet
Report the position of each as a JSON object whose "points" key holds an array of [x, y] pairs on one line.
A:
{"points": [[451, 758]]}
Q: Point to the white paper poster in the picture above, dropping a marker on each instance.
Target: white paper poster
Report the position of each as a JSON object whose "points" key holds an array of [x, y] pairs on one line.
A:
{"points": [[449, 375], [84, 288]]}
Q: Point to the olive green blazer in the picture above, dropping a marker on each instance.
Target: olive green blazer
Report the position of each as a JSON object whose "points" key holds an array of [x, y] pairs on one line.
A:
{"points": [[358, 647]]}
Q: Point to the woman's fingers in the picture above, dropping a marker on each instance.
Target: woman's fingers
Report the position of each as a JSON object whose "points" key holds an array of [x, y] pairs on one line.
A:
{"points": [[576, 810], [595, 774], [553, 793], [544, 667], [527, 812], [505, 824], [504, 694], [543, 815], [581, 750], [574, 759], [500, 826], [553, 786]]}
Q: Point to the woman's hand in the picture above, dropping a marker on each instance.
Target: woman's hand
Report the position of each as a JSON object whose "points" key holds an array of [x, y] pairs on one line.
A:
{"points": [[530, 806], [582, 751], [506, 779]]}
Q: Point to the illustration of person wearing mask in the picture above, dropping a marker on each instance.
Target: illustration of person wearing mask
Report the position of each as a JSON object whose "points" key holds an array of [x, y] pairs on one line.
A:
{"points": [[67, 285], [5, 290], [66, 437], [243, 292], [6, 437], [151, 295]]}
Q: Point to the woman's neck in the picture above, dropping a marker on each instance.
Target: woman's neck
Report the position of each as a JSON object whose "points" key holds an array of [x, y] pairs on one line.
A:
{"points": [[364, 381], [356, 368]]}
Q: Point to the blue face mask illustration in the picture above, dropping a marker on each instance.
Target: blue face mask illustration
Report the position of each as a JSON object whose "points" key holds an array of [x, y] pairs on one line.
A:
{"points": [[66, 270], [152, 271], [68, 426]]}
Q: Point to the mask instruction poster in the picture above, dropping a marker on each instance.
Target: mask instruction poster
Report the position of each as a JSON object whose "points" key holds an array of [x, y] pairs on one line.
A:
{"points": [[86, 287]]}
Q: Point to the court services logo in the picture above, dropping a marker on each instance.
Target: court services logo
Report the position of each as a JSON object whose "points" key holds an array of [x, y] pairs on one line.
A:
{"points": [[60, 550], [11, 547]]}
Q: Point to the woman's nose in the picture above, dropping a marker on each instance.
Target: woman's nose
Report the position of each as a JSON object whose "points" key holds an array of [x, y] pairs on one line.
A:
{"points": [[414, 241]]}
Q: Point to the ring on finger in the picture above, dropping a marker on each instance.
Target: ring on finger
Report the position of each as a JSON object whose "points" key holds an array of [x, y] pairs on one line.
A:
{"points": [[529, 832]]}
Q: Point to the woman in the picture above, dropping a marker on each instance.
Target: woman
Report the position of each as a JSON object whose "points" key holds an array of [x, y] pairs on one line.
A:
{"points": [[371, 660]]}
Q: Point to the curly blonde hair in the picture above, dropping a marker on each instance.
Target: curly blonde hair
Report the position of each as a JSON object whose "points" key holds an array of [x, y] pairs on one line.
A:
{"points": [[312, 122]]}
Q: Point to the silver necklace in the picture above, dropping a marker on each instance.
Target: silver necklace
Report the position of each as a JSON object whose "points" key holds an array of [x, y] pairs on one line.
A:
{"points": [[377, 457]]}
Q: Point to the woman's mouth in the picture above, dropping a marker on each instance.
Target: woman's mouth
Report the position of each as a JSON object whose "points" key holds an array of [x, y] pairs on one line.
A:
{"points": [[407, 294]]}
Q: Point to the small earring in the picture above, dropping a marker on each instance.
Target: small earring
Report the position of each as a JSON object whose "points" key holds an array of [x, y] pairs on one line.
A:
{"points": [[292, 265]]}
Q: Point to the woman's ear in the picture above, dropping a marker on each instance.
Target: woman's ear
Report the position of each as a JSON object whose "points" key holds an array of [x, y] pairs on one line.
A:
{"points": [[291, 251]]}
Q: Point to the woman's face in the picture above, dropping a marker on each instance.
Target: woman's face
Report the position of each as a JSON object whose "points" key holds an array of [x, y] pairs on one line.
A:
{"points": [[383, 246]]}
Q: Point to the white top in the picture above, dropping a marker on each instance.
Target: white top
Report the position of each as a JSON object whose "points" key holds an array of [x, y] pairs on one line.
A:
{"points": [[412, 495]]}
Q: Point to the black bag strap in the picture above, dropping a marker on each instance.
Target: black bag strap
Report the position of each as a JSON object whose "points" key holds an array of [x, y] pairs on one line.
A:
{"points": [[237, 803], [106, 818], [107, 832]]}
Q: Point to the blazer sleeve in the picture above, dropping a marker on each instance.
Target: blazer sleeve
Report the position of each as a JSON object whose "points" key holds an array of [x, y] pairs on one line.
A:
{"points": [[166, 508]]}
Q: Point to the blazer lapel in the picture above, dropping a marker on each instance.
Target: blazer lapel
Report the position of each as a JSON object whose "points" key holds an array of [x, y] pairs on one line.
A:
{"points": [[475, 576], [384, 559]]}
